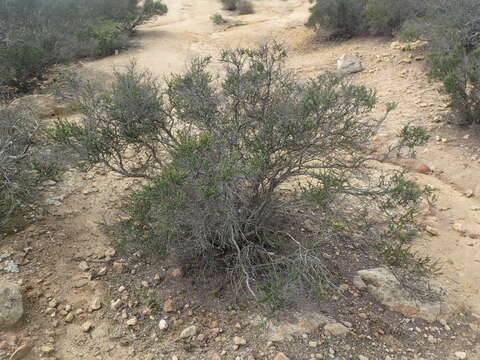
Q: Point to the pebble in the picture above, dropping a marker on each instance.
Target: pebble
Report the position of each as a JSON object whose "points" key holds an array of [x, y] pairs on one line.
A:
{"points": [[461, 355], [87, 326], [237, 340], [335, 329], [83, 266], [47, 349], [116, 304], [163, 324], [281, 356], [132, 321], [96, 304], [69, 317], [188, 332]]}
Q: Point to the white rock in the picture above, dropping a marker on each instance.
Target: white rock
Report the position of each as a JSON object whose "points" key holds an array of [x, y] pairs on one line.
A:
{"points": [[188, 332], [461, 355], [163, 324], [11, 303], [349, 64]]}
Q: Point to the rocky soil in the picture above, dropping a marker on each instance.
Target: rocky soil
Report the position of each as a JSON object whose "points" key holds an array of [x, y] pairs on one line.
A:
{"points": [[80, 298]]}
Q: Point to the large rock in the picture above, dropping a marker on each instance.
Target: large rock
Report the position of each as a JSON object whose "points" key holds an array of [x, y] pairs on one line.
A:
{"points": [[42, 105], [349, 64], [11, 304], [384, 286]]}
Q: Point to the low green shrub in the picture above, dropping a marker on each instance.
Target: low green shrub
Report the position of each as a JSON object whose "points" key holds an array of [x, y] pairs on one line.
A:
{"points": [[217, 19]]}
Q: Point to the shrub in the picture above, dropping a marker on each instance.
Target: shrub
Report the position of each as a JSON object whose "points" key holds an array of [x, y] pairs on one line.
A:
{"points": [[459, 72], [454, 34], [17, 128], [347, 18], [230, 5], [217, 19], [245, 7], [234, 168]]}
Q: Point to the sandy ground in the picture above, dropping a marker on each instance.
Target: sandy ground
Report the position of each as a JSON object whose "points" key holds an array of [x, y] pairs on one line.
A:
{"points": [[165, 46]]}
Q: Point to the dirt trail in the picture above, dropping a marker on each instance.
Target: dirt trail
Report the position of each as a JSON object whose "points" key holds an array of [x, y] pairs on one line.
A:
{"points": [[75, 234]]}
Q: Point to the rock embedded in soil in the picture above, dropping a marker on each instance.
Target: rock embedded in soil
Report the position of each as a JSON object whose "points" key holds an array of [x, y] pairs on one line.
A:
{"points": [[188, 332], [349, 64], [83, 265], [385, 287], [96, 304], [424, 169], [281, 356], [237, 340], [163, 324], [304, 324], [335, 329], [11, 304], [461, 355], [87, 326]]}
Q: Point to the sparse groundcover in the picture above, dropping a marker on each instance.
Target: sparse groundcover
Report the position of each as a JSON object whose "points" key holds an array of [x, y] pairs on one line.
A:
{"points": [[35, 34], [237, 165]]}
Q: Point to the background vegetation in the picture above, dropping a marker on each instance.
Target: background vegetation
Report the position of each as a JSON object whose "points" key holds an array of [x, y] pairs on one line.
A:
{"points": [[35, 34]]}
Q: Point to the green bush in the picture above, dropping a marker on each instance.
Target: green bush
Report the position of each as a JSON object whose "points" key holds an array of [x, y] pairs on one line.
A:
{"points": [[217, 19], [459, 72], [347, 18], [234, 168]]}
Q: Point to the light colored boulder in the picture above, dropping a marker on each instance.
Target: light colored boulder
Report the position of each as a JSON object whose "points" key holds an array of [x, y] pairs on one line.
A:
{"points": [[385, 287], [349, 64], [11, 304]]}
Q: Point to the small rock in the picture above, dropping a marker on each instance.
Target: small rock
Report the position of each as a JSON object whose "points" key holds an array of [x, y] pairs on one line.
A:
{"points": [[96, 304], [69, 318], [110, 252], [349, 64], [431, 230], [168, 306], [461, 355], [312, 344], [188, 332], [237, 340], [10, 266], [132, 321], [116, 304], [11, 303], [87, 326], [281, 356], [163, 324], [335, 329], [46, 349], [469, 193], [458, 227], [83, 266], [424, 169], [53, 303], [216, 357], [361, 357]]}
